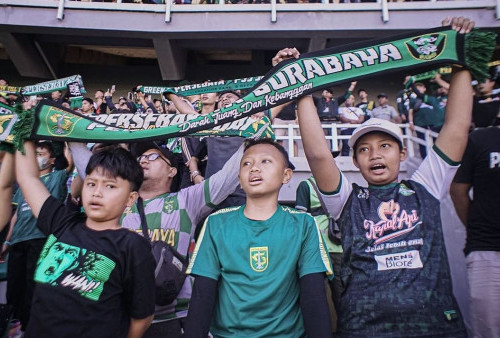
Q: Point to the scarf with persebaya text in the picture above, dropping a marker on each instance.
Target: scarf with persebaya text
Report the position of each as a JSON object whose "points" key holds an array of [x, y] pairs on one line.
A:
{"points": [[293, 78], [45, 87]]}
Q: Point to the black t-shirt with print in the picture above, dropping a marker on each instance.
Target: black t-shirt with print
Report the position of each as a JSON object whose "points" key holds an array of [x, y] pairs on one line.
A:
{"points": [[89, 283]]}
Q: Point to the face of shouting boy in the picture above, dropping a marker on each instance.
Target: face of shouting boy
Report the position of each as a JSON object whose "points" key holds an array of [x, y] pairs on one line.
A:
{"points": [[263, 171], [378, 157]]}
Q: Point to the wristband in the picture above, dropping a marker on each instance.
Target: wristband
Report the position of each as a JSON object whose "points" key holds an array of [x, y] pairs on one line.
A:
{"points": [[194, 174]]}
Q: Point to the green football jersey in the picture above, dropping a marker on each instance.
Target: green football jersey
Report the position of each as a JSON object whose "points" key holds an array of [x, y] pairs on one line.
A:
{"points": [[258, 265]]}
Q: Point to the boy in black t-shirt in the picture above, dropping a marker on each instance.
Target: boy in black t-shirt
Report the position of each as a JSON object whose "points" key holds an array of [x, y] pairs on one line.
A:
{"points": [[94, 279]]}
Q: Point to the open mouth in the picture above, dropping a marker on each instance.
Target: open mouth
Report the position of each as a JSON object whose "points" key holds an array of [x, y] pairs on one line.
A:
{"points": [[50, 271], [255, 179], [377, 167]]}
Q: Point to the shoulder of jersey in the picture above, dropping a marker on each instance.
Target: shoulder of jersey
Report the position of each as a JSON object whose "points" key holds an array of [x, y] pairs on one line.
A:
{"points": [[226, 210]]}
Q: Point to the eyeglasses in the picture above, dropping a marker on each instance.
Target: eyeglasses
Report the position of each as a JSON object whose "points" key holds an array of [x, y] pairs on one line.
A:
{"points": [[152, 157]]}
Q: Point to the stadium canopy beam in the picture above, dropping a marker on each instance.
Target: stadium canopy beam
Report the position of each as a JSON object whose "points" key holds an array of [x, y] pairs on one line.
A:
{"points": [[26, 55], [171, 59]]}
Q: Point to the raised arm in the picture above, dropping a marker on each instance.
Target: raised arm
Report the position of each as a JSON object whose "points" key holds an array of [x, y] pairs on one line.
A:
{"points": [[320, 160], [452, 139], [459, 193], [182, 106], [28, 178]]}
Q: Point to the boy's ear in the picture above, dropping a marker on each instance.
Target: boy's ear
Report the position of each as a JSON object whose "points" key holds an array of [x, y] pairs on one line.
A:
{"points": [[132, 198], [403, 154], [287, 175], [172, 172]]}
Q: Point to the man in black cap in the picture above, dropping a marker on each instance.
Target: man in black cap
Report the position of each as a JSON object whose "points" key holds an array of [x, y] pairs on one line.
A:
{"points": [[384, 110]]}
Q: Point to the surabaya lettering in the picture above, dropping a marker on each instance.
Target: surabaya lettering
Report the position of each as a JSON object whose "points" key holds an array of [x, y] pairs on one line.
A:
{"points": [[307, 69]]}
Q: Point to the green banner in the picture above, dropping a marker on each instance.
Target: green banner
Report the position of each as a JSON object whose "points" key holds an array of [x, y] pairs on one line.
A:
{"points": [[297, 77], [56, 122], [45, 87], [206, 87]]}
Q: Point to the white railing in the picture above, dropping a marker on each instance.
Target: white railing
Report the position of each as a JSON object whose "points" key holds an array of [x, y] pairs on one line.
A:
{"points": [[292, 136], [382, 6]]}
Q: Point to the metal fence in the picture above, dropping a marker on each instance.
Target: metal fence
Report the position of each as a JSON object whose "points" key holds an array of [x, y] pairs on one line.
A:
{"points": [[292, 138]]}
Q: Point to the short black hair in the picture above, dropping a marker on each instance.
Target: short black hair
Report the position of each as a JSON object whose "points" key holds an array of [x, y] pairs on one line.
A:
{"points": [[117, 163], [89, 100], [47, 145], [251, 142], [362, 90]]}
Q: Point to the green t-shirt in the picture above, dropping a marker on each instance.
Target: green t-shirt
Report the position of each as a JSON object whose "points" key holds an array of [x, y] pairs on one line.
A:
{"points": [[258, 265], [25, 227]]}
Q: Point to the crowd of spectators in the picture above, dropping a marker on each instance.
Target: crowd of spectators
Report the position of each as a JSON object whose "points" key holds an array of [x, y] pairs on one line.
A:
{"points": [[211, 162]]}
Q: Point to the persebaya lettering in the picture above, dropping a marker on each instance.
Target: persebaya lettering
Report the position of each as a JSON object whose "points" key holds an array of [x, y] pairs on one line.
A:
{"points": [[137, 121], [306, 69]]}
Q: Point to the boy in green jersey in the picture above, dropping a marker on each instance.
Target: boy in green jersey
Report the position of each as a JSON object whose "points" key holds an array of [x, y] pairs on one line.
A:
{"points": [[252, 262]]}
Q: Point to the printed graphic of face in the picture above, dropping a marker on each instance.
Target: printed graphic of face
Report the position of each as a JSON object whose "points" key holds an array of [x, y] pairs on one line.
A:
{"points": [[378, 158], [263, 171], [60, 258]]}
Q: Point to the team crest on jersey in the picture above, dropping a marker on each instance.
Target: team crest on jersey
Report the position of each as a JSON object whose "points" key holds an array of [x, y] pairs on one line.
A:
{"points": [[169, 206], [426, 47], [405, 191], [363, 193], [259, 258]]}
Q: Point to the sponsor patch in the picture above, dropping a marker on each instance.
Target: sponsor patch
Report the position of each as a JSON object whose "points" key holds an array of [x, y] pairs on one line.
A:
{"points": [[401, 260]]}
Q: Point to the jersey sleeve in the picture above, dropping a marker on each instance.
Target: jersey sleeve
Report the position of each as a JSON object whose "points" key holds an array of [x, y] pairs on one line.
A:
{"points": [[205, 261], [303, 198], [313, 256], [335, 200], [436, 172]]}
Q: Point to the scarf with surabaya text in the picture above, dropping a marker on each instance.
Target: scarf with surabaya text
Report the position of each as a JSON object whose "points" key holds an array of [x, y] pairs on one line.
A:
{"points": [[287, 81]]}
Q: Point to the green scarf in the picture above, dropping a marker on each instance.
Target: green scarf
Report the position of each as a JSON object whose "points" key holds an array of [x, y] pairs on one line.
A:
{"points": [[202, 88], [294, 78], [45, 87]]}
